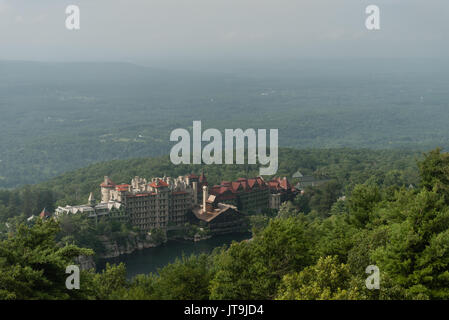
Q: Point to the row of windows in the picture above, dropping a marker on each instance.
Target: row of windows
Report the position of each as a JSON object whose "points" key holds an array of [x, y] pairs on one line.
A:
{"points": [[140, 221], [161, 214], [152, 208], [182, 202], [146, 202], [180, 207]]}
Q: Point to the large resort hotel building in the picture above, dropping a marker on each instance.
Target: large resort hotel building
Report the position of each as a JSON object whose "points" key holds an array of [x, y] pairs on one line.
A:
{"points": [[166, 203]]}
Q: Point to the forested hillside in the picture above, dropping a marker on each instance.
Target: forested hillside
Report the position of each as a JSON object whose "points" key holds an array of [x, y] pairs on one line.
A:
{"points": [[57, 117], [402, 231], [345, 167]]}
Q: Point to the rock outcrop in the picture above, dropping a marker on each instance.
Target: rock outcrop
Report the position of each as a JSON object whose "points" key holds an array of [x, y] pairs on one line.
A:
{"points": [[85, 262], [132, 243]]}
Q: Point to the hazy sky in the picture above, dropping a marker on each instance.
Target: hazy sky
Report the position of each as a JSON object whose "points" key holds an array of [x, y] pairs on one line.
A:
{"points": [[181, 31]]}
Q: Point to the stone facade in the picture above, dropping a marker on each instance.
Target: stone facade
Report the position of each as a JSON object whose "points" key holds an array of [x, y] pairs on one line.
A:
{"points": [[110, 209], [281, 191], [164, 203], [159, 203], [275, 201]]}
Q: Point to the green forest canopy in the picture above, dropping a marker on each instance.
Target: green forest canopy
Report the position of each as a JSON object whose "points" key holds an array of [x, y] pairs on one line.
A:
{"points": [[51, 123], [403, 231], [346, 166]]}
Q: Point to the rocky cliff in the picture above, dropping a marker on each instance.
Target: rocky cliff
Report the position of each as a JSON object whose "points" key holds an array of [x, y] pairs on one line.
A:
{"points": [[131, 243]]}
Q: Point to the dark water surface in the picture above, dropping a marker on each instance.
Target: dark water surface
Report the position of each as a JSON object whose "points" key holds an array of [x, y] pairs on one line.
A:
{"points": [[149, 260]]}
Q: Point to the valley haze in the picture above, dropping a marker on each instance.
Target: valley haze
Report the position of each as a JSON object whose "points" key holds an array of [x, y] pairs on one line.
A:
{"points": [[58, 117]]}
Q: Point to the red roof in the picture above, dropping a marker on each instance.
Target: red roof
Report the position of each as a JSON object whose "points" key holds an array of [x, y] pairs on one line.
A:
{"points": [[283, 183], [45, 214], [252, 182], [228, 190], [278, 183], [107, 183], [236, 185], [273, 184], [158, 184], [122, 187], [233, 187]]}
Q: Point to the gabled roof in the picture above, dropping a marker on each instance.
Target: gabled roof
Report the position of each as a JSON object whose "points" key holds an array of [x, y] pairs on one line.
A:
{"points": [[278, 183], [285, 184], [235, 186], [252, 183], [45, 214], [221, 190], [158, 184], [297, 174], [274, 185], [241, 184]]}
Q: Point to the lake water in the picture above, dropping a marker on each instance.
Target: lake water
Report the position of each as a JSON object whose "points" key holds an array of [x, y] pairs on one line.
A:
{"points": [[149, 260]]}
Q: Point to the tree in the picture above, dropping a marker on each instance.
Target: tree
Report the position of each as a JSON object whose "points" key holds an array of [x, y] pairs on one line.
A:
{"points": [[326, 280], [234, 277], [110, 282], [185, 279], [254, 269], [335, 236], [361, 203], [434, 172], [416, 253], [258, 223], [287, 210], [32, 266]]}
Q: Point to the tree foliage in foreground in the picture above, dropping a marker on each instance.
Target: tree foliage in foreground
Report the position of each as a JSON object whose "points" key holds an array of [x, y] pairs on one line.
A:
{"points": [[403, 231], [32, 266]]}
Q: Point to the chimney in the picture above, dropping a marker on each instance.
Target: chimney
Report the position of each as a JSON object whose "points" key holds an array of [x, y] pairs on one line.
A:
{"points": [[205, 196], [195, 192]]}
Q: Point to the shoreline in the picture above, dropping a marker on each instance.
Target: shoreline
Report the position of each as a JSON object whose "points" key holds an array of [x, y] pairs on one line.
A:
{"points": [[158, 256]]}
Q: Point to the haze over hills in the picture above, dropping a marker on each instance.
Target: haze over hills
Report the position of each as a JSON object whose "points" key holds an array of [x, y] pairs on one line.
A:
{"points": [[57, 117]]}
